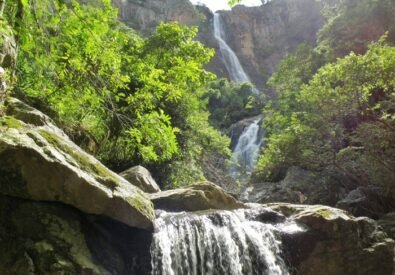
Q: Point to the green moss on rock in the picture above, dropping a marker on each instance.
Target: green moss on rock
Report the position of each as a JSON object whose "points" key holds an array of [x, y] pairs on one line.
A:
{"points": [[83, 161], [11, 122]]}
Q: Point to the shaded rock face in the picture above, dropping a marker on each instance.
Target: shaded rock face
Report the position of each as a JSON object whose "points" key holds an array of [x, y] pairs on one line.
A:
{"points": [[201, 196], [141, 177], [39, 162], [51, 238], [298, 186], [262, 36], [145, 15], [368, 201], [335, 243]]}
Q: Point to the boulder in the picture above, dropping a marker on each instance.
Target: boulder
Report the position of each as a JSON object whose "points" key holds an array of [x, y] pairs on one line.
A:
{"points": [[298, 186], [368, 201], [141, 177], [334, 242], [39, 162], [201, 196]]}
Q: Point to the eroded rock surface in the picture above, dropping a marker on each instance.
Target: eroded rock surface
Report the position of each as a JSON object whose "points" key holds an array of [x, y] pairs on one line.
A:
{"points": [[39, 162], [201, 196]]}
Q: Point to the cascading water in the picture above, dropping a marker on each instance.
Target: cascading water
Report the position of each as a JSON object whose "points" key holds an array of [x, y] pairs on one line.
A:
{"points": [[246, 151], [249, 143], [220, 242], [230, 59]]}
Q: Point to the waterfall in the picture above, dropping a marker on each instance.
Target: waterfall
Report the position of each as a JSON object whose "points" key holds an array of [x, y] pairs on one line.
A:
{"points": [[220, 242], [249, 143], [230, 59], [246, 151]]}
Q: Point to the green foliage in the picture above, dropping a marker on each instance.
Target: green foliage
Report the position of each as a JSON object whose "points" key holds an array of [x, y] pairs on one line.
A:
{"points": [[231, 102], [130, 100], [342, 120], [353, 24]]}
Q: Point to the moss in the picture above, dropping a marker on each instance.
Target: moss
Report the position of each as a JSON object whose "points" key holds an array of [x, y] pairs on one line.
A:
{"points": [[325, 213], [142, 205], [84, 162], [11, 122]]}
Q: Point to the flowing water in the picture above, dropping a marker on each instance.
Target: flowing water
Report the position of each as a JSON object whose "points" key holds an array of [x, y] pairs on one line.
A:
{"points": [[246, 151], [230, 59], [220, 242], [249, 143]]}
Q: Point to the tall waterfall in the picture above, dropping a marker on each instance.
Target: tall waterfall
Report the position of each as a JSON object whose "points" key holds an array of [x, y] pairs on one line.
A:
{"points": [[230, 59], [220, 242], [249, 143]]}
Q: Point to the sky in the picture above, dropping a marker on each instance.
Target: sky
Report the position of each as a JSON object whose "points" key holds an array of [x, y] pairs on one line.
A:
{"points": [[215, 5]]}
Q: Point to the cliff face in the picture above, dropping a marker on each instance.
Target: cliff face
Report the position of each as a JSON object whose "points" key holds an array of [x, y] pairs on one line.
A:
{"points": [[144, 15], [260, 36]]}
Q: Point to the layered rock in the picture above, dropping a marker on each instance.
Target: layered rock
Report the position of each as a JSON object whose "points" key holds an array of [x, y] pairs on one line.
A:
{"points": [[201, 196], [39, 162], [144, 16]]}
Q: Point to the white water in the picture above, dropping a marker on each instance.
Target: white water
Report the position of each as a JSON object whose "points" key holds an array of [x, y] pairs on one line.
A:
{"points": [[221, 242], [230, 59], [245, 153]]}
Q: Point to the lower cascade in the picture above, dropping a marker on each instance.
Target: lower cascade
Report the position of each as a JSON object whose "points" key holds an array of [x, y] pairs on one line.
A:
{"points": [[218, 242], [246, 151]]}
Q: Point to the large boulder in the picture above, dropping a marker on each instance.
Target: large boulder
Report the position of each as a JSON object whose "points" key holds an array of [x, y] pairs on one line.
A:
{"points": [[334, 242], [201, 196], [39, 162], [141, 177]]}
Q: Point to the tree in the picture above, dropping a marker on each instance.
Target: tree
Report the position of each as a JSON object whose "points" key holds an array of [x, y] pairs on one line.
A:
{"points": [[342, 120], [127, 99]]}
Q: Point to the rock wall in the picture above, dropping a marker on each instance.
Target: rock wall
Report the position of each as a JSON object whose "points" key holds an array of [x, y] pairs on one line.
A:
{"points": [[144, 15], [260, 36]]}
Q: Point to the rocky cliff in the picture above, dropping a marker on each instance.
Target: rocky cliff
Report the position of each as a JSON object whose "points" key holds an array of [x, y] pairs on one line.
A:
{"points": [[260, 36], [145, 15]]}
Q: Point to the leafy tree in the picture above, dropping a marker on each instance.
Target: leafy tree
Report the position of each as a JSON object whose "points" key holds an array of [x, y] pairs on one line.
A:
{"points": [[128, 99], [342, 121], [230, 102], [353, 24]]}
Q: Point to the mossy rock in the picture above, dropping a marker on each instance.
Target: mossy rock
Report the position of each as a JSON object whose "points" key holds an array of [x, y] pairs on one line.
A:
{"points": [[39, 162]]}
